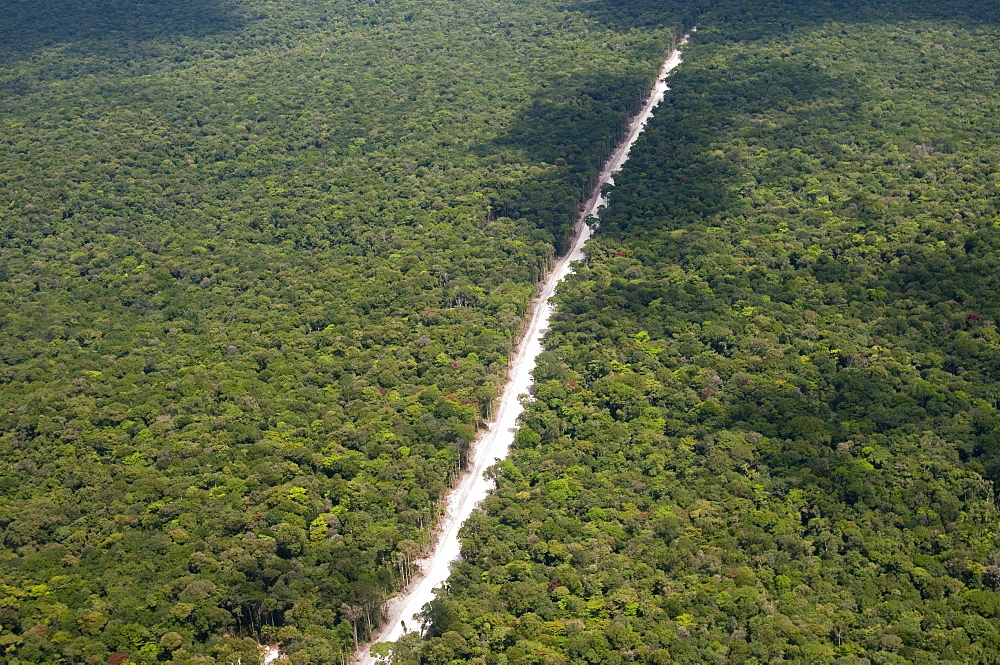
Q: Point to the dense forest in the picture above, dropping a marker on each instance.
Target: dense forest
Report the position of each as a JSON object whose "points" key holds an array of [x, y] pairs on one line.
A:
{"points": [[261, 267], [766, 429]]}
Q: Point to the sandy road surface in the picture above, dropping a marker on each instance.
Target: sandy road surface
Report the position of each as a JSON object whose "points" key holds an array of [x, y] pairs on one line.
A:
{"points": [[494, 444]]}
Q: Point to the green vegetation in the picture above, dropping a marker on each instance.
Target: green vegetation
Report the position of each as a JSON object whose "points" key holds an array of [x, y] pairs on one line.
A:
{"points": [[261, 265], [767, 422]]}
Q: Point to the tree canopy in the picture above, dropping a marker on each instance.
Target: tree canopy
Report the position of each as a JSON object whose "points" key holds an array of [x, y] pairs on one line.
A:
{"points": [[765, 426], [261, 266]]}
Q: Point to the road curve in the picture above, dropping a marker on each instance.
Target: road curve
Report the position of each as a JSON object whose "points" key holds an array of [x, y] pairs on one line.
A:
{"points": [[494, 443]]}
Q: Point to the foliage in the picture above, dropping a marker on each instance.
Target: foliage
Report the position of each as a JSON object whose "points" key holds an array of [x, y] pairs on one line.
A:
{"points": [[766, 420], [261, 265]]}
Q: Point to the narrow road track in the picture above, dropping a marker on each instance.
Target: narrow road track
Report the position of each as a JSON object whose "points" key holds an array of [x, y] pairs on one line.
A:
{"points": [[494, 444]]}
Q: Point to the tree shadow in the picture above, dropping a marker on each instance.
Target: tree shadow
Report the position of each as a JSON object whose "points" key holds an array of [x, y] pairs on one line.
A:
{"points": [[99, 27], [576, 126], [564, 128], [579, 114], [701, 181]]}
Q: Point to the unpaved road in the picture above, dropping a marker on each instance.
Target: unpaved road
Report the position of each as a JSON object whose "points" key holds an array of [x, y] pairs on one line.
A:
{"points": [[494, 443]]}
